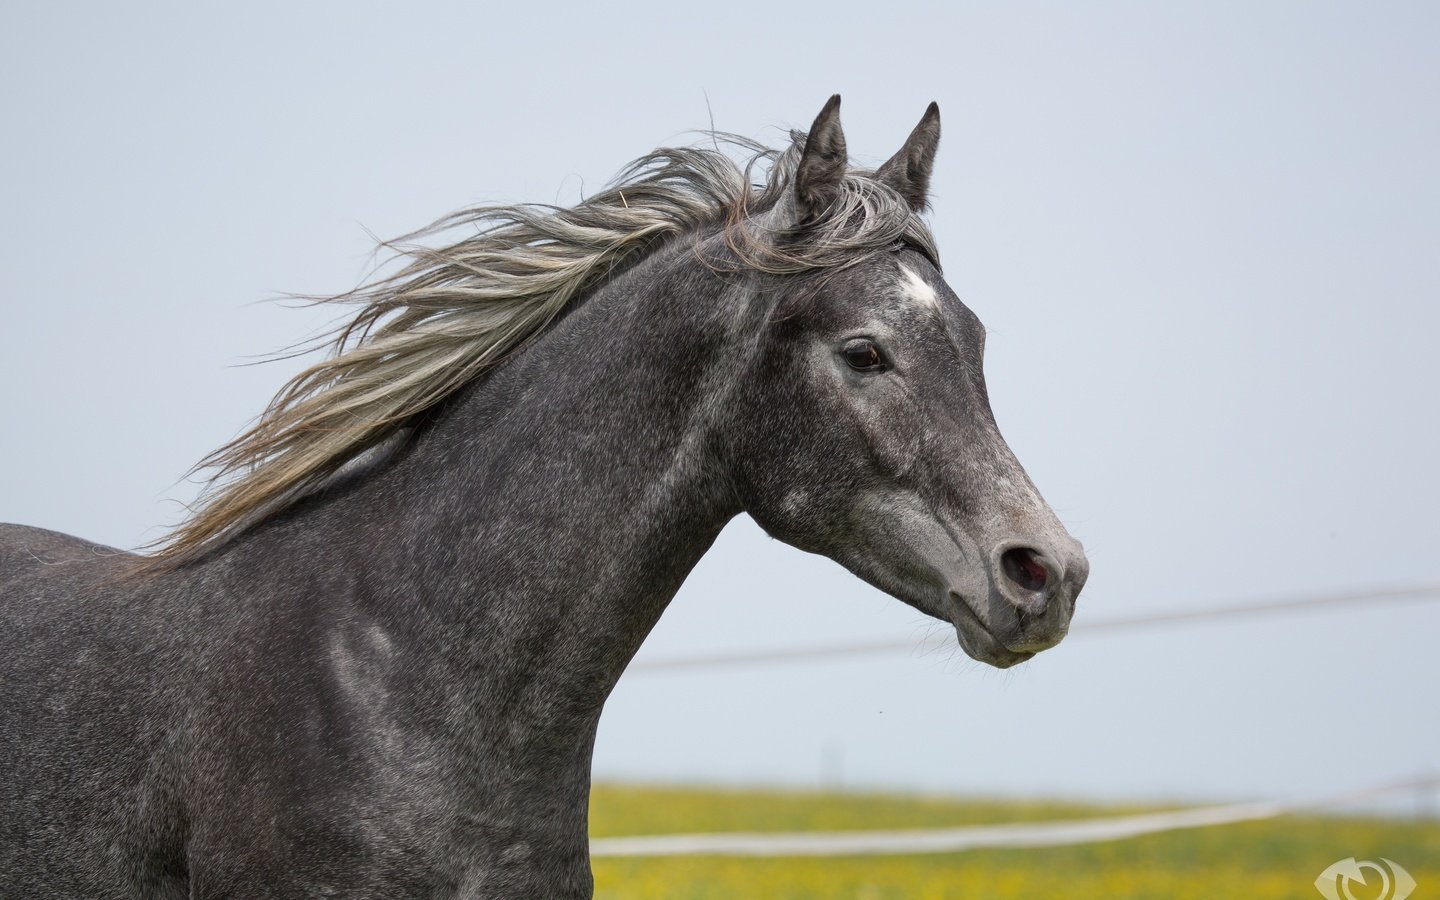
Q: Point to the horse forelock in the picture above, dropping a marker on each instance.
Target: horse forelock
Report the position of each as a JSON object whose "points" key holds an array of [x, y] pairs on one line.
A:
{"points": [[452, 311]]}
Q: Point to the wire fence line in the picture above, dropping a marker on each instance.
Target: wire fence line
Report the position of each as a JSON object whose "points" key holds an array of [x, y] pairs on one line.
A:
{"points": [[1014, 835], [974, 837], [1308, 602]]}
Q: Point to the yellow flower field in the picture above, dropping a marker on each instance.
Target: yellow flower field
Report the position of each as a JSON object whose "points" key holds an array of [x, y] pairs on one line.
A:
{"points": [[1269, 859]]}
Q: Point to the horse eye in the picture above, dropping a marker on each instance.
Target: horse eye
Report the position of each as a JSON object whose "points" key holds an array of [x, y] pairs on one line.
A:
{"points": [[863, 356]]}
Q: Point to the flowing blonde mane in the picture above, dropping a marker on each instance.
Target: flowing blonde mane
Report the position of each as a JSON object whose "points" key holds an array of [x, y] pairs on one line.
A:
{"points": [[454, 311]]}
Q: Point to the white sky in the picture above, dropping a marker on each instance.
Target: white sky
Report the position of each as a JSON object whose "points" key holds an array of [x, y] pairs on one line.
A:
{"points": [[1203, 236]]}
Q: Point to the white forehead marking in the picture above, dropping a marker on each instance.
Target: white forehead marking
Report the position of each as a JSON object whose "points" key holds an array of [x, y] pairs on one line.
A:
{"points": [[915, 288]]}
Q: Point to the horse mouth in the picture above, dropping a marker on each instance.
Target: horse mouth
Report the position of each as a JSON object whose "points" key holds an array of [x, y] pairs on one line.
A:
{"points": [[978, 642]]}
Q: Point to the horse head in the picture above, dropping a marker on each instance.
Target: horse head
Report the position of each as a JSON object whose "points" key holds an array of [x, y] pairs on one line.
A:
{"points": [[865, 431]]}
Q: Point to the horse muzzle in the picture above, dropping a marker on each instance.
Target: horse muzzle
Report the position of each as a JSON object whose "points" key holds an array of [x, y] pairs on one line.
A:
{"points": [[1029, 603]]}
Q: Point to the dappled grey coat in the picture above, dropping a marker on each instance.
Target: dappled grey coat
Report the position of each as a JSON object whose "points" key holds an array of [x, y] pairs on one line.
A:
{"points": [[372, 663]]}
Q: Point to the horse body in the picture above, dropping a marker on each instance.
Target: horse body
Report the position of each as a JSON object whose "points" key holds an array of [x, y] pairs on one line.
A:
{"points": [[381, 664], [390, 686]]}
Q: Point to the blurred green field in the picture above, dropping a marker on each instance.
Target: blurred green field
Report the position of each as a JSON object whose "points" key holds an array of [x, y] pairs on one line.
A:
{"points": [[1269, 859]]}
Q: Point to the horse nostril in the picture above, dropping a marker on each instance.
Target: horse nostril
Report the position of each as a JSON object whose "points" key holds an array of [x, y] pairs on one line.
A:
{"points": [[1022, 567]]}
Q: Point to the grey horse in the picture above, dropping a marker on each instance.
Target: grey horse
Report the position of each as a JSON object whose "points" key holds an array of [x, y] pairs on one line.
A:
{"points": [[372, 662]]}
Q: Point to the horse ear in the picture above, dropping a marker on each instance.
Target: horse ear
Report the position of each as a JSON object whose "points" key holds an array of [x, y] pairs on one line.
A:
{"points": [[822, 164], [909, 170]]}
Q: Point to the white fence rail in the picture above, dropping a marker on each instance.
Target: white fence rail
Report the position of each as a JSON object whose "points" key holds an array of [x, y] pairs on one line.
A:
{"points": [[974, 837], [1032, 834]]}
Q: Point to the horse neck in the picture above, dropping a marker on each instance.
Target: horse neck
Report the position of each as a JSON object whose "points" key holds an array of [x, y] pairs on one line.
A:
{"points": [[526, 541]]}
